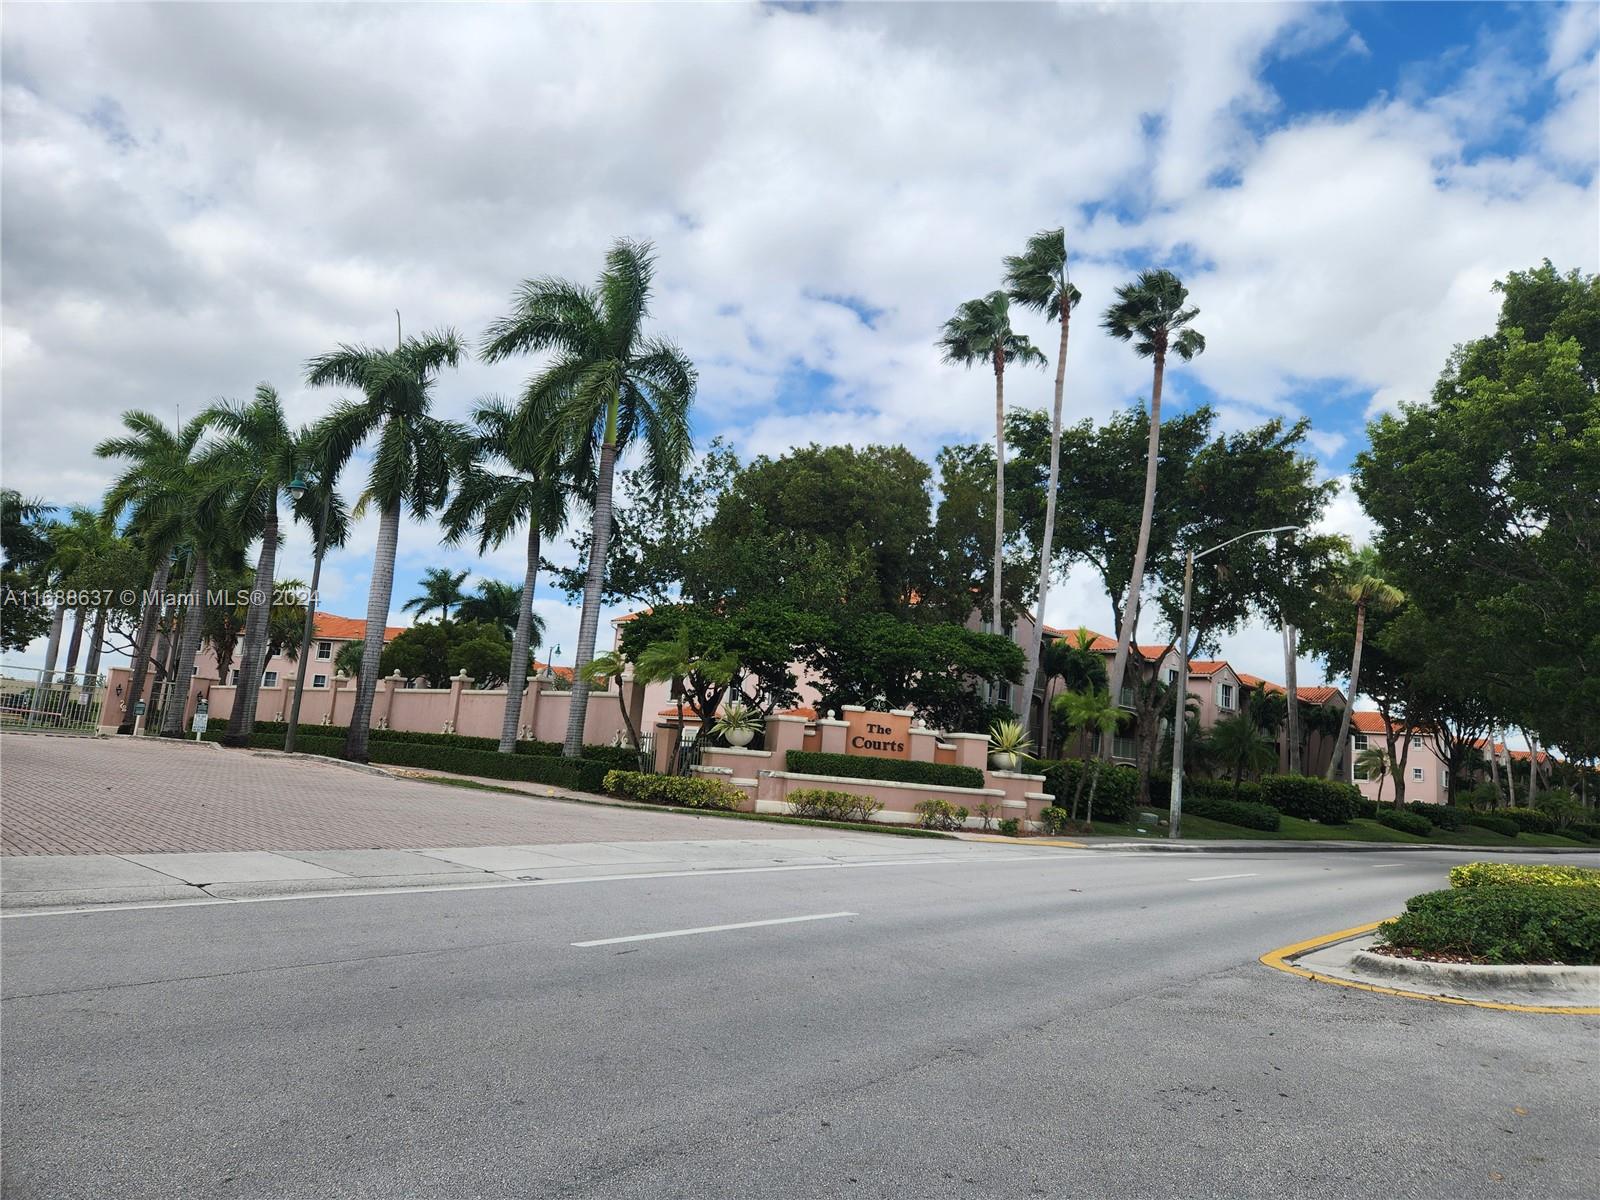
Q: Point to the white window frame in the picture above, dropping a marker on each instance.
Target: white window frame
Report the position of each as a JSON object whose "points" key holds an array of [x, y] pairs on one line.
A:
{"points": [[1416, 741], [1418, 775], [1361, 741], [270, 679], [1225, 696], [1172, 675], [319, 681], [324, 651]]}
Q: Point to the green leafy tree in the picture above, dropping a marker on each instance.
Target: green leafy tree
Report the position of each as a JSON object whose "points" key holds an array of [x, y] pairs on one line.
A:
{"points": [[1151, 313], [421, 652], [981, 332], [959, 548], [484, 652], [411, 463], [441, 591], [1039, 279], [608, 386]]}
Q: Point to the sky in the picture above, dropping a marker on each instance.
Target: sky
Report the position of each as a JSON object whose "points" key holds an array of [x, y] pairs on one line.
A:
{"points": [[200, 197]]}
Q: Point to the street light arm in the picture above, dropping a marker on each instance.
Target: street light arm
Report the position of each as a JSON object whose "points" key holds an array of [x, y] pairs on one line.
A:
{"points": [[1242, 536]]}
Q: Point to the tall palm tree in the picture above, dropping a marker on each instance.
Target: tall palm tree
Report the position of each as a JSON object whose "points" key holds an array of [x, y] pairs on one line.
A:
{"points": [[441, 588], [411, 465], [534, 491], [494, 602], [1364, 587], [981, 332], [260, 455], [159, 492], [1038, 278], [608, 385], [1373, 763], [1150, 313], [1239, 744], [1091, 711]]}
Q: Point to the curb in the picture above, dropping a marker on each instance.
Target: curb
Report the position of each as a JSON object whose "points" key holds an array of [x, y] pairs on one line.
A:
{"points": [[1270, 847], [1519, 976]]}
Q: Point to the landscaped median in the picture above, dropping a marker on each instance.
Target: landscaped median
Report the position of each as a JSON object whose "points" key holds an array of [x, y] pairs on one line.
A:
{"points": [[1508, 936]]}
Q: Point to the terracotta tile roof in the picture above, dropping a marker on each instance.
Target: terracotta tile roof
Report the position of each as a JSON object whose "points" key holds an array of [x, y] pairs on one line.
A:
{"points": [[1318, 695], [1206, 666], [643, 612], [1366, 721], [560, 672], [350, 629], [804, 710]]}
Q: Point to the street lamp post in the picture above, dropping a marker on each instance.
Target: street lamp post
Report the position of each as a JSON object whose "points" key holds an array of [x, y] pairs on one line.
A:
{"points": [[1179, 720], [297, 489]]}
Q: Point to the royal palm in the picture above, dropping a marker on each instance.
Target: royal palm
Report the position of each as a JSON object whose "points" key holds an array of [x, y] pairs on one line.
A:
{"points": [[1366, 589], [411, 462], [531, 492], [607, 386], [441, 590], [1038, 279], [1150, 313], [981, 332]]}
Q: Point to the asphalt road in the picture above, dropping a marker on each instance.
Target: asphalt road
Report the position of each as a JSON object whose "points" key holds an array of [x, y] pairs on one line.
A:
{"points": [[1088, 1026]]}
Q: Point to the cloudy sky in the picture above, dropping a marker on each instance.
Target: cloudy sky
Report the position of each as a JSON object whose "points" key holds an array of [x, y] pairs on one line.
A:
{"points": [[198, 197]]}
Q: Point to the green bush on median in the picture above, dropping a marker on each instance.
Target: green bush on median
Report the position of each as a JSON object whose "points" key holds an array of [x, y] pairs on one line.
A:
{"points": [[677, 791], [1500, 923], [1482, 874]]}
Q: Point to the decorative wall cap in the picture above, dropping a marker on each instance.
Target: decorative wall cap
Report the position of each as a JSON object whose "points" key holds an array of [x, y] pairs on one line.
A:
{"points": [[746, 752], [893, 783], [707, 769], [780, 717], [832, 721], [1045, 795], [906, 712], [854, 707], [982, 737], [1019, 774]]}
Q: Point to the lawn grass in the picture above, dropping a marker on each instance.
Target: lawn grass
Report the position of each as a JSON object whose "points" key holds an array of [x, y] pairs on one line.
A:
{"points": [[1293, 829]]}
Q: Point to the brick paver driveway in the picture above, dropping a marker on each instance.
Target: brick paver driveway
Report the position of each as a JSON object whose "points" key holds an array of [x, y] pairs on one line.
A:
{"points": [[63, 795]]}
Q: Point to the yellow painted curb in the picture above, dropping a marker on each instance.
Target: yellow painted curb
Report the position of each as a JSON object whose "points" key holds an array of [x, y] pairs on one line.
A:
{"points": [[1026, 841], [1278, 960]]}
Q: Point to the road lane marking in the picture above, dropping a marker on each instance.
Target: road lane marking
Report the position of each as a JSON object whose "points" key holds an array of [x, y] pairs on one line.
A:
{"points": [[1279, 960], [1209, 878], [674, 933]]}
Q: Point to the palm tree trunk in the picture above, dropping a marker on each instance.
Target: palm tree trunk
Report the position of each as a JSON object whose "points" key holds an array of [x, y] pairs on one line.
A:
{"points": [[1130, 609], [52, 650], [1494, 768], [517, 680], [242, 721], [589, 621], [1047, 543], [144, 641], [74, 646], [91, 667], [998, 618], [194, 615], [1350, 700], [378, 597], [1290, 654], [1094, 783]]}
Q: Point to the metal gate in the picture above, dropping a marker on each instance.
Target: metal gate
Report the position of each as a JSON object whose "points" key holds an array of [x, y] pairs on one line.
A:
{"points": [[51, 701], [161, 695]]}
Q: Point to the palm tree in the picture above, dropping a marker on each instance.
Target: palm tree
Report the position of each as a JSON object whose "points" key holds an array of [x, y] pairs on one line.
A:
{"points": [[495, 602], [441, 588], [1150, 313], [535, 492], [259, 456], [1090, 711], [608, 385], [411, 466], [1238, 743], [1366, 589], [161, 491], [1038, 279], [981, 332], [601, 670], [1074, 662], [683, 665], [1373, 763]]}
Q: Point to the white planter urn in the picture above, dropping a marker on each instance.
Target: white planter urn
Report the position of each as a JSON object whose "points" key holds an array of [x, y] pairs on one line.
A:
{"points": [[1003, 761], [740, 738]]}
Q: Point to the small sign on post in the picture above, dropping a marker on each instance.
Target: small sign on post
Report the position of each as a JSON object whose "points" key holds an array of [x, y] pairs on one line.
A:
{"points": [[138, 708], [201, 719]]}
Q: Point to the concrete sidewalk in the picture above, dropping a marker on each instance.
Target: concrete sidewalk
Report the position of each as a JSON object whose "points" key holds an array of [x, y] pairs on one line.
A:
{"points": [[64, 881]]}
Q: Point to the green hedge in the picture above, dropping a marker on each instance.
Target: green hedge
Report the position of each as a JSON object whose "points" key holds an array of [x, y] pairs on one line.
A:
{"points": [[1113, 798], [1442, 815], [1480, 874], [1501, 923], [1405, 822], [1529, 820], [1217, 789], [273, 734], [1495, 824], [1233, 812], [677, 791], [896, 770], [1310, 798]]}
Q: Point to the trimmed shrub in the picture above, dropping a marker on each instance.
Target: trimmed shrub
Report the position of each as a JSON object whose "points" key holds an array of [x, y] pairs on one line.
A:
{"points": [[1222, 789], [832, 806], [677, 791], [1441, 815], [896, 770], [1055, 820], [1310, 799], [941, 814], [272, 734], [1405, 822], [1589, 830], [1500, 923], [1011, 827], [1529, 820], [1366, 808], [1231, 812], [1482, 874], [1495, 824], [1113, 798]]}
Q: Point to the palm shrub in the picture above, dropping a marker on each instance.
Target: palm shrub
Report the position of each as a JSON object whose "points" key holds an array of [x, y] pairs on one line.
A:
{"points": [[411, 464], [608, 386], [1238, 744]]}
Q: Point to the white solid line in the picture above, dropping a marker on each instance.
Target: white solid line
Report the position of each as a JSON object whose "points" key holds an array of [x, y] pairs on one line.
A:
{"points": [[1209, 878], [671, 933], [220, 901]]}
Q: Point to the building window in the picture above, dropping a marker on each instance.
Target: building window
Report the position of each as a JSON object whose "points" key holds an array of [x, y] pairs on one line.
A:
{"points": [[1172, 675], [319, 681], [1416, 742], [270, 679], [1225, 695], [324, 650], [193, 671], [1361, 741], [236, 679], [1416, 775]]}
